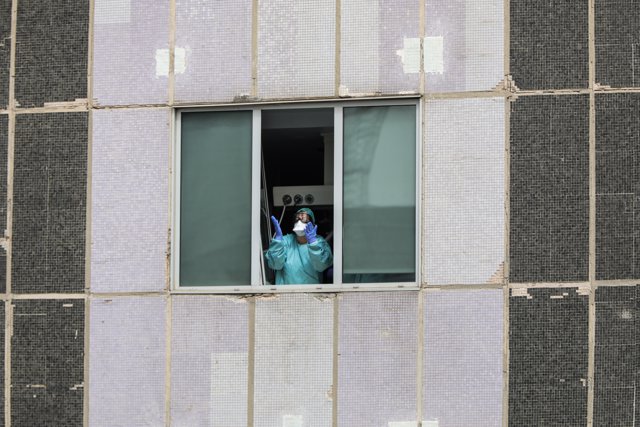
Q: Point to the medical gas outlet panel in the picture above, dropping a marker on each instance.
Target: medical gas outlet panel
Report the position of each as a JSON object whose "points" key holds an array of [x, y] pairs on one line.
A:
{"points": [[306, 195]]}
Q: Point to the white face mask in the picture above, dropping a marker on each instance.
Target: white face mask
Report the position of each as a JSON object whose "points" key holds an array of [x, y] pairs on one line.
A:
{"points": [[299, 227]]}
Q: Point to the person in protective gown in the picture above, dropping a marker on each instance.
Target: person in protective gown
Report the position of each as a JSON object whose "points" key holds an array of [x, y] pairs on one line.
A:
{"points": [[299, 258]]}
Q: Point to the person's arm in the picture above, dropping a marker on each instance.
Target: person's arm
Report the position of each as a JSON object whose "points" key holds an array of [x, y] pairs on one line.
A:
{"points": [[277, 253], [319, 250]]}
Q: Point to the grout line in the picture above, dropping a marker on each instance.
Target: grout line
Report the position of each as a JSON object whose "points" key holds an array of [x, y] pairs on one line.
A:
{"points": [[507, 191], [251, 359], [420, 357], [172, 52], [254, 49], [9, 227], [167, 369], [549, 285], [505, 357], [87, 343], [591, 356], [8, 334], [507, 36], [336, 342], [48, 296], [338, 47], [592, 218], [170, 196], [88, 230], [90, 47], [507, 259], [422, 31]]}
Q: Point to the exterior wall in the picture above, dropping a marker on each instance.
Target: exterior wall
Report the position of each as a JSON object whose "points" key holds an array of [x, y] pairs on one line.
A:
{"points": [[527, 310]]}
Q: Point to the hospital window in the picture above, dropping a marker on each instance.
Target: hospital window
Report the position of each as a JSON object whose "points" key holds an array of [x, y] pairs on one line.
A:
{"points": [[354, 164]]}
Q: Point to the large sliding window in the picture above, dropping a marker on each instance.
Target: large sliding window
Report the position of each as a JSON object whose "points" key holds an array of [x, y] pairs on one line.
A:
{"points": [[354, 166]]}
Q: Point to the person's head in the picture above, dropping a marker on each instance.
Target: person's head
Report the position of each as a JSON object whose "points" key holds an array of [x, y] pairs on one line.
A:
{"points": [[305, 215]]}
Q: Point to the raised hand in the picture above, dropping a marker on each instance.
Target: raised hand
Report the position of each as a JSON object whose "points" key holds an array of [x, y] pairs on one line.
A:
{"points": [[276, 226], [310, 232]]}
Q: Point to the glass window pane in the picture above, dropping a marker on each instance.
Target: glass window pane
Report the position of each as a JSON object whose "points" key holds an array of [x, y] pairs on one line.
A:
{"points": [[379, 194], [215, 193]]}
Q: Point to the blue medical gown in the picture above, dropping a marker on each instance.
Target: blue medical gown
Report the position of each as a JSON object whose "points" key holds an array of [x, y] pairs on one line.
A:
{"points": [[296, 263]]}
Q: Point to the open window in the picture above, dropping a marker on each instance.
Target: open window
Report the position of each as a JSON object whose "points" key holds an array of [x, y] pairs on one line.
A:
{"points": [[354, 165]]}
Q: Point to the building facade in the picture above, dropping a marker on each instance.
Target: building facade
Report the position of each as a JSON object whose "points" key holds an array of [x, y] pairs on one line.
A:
{"points": [[523, 300]]}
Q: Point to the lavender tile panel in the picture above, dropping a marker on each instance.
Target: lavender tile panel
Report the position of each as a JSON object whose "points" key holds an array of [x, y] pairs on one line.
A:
{"points": [[209, 348], [49, 203], [52, 42], [215, 40], [379, 46], [5, 51], [294, 361], [471, 36], [47, 363], [128, 57], [464, 218], [296, 48], [377, 358], [127, 362], [130, 187], [463, 358]]}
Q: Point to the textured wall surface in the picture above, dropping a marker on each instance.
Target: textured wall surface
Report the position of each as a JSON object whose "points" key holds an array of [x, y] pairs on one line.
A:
{"points": [[127, 362], [131, 48], [378, 52], [209, 362], [216, 40], [5, 51], [51, 51], [129, 169], [465, 173], [47, 367], [618, 186], [464, 45], [463, 358], [549, 44], [296, 48], [549, 189], [375, 329], [295, 358], [617, 43], [548, 357], [49, 211], [617, 356]]}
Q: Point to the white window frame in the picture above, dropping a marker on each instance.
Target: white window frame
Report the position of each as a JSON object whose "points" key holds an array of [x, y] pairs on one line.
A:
{"points": [[256, 245]]}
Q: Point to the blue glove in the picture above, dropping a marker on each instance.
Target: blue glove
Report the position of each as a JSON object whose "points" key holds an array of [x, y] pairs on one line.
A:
{"points": [[310, 232], [278, 235]]}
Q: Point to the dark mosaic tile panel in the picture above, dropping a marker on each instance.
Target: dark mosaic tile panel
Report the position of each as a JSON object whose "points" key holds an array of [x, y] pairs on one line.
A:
{"points": [[47, 367], [617, 355], [548, 344], [617, 186], [5, 51], [2, 325], [549, 44], [51, 51], [549, 239], [617, 25], [49, 209]]}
